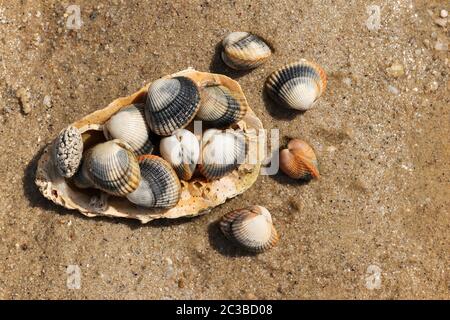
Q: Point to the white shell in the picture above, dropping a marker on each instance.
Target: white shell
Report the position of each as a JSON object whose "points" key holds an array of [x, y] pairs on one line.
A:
{"points": [[222, 152], [244, 51], [159, 186], [297, 85], [68, 151], [181, 150], [251, 228], [129, 125]]}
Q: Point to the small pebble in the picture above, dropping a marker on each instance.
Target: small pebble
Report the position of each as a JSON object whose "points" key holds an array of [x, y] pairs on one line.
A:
{"points": [[347, 81], [440, 22], [440, 46], [24, 98], [393, 90], [444, 13], [47, 102], [433, 86], [396, 70]]}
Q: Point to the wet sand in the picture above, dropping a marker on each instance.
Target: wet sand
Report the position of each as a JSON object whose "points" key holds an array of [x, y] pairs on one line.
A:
{"points": [[376, 225]]}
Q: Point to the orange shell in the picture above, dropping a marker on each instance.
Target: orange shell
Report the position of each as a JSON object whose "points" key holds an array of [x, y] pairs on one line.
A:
{"points": [[299, 161]]}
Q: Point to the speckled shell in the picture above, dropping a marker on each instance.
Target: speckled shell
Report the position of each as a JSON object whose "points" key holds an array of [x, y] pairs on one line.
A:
{"points": [[182, 151], [171, 104], [222, 152], [112, 167], [129, 125], [219, 107], [299, 161], [198, 196], [251, 228], [244, 51], [67, 151], [159, 186], [297, 85]]}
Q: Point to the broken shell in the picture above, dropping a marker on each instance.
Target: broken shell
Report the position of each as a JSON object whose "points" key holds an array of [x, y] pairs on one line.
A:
{"points": [[171, 104], [198, 196], [244, 51], [297, 85], [159, 186], [129, 125], [67, 151], [222, 152], [112, 167], [181, 150], [251, 227], [219, 107], [299, 161]]}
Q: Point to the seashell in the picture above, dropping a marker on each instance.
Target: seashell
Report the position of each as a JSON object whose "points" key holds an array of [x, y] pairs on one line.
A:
{"points": [[198, 196], [67, 151], [251, 228], [159, 186], [244, 51], [299, 161], [222, 152], [297, 85], [171, 104], [129, 125], [219, 107], [181, 150], [112, 167]]}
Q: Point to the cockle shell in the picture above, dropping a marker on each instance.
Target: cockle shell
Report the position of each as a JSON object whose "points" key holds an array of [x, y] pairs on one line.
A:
{"points": [[219, 107], [198, 196], [244, 51], [67, 151], [171, 104], [299, 161], [251, 228], [297, 85], [222, 152], [181, 150], [159, 186], [112, 167], [129, 125]]}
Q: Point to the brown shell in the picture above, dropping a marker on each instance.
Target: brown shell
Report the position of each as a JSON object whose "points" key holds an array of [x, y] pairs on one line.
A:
{"points": [[299, 161], [197, 195]]}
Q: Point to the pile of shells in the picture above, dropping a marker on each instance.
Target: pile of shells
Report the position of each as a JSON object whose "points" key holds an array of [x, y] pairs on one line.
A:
{"points": [[142, 158]]}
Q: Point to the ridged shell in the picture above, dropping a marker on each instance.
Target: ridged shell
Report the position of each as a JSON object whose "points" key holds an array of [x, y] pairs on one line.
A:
{"points": [[129, 125], [251, 228], [299, 161], [68, 151], [244, 51], [181, 150], [112, 167], [219, 107], [159, 186], [222, 152], [297, 85], [171, 104]]}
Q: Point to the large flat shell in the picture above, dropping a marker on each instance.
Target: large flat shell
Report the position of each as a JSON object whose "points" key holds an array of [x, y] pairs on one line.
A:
{"points": [[197, 196]]}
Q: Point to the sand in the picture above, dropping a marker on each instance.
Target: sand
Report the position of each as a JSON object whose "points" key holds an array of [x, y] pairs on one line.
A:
{"points": [[376, 225]]}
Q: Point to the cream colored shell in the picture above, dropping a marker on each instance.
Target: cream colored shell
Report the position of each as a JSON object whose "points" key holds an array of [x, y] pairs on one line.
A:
{"points": [[197, 195]]}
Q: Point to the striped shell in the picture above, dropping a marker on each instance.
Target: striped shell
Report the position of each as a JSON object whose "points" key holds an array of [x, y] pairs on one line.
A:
{"points": [[112, 167], [297, 85], [171, 104], [222, 152], [129, 125], [67, 151], [299, 161], [220, 108], [159, 186], [250, 228], [181, 150], [244, 51]]}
